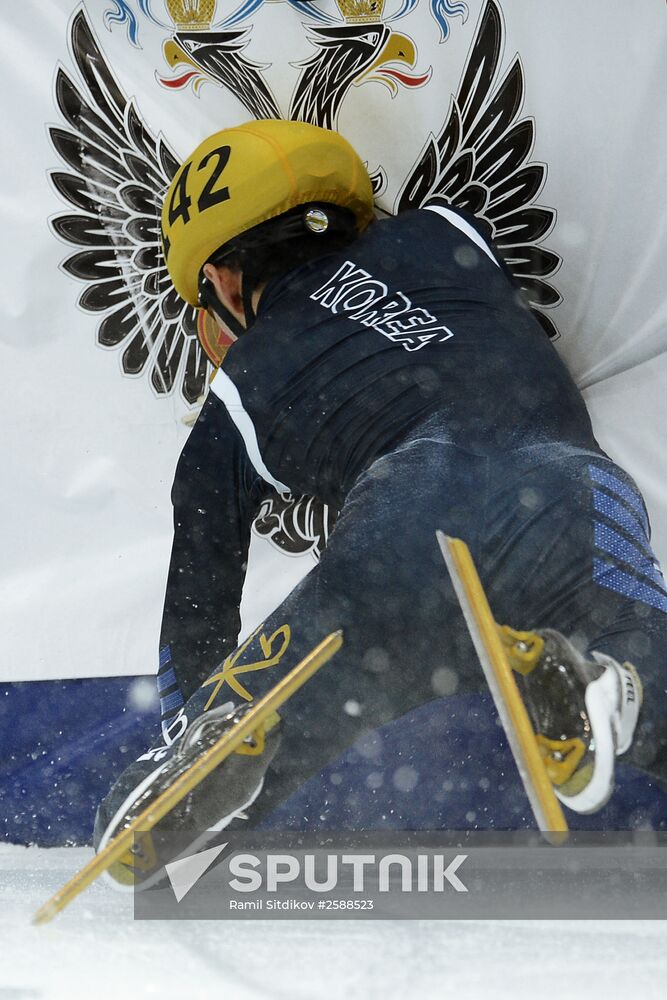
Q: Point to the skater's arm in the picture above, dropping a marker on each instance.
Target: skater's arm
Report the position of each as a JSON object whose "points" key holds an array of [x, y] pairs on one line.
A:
{"points": [[215, 496]]}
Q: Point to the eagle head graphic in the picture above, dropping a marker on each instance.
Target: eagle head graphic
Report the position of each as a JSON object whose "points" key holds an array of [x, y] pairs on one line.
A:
{"points": [[197, 56], [347, 55]]}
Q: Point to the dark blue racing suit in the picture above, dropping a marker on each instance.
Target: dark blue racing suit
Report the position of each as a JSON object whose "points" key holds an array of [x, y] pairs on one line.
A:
{"points": [[405, 382]]}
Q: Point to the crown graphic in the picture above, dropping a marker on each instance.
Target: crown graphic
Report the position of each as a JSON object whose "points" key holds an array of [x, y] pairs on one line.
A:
{"points": [[191, 15], [361, 11]]}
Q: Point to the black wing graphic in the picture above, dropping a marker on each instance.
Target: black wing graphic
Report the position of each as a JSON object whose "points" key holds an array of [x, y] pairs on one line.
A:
{"points": [[117, 172], [480, 161]]}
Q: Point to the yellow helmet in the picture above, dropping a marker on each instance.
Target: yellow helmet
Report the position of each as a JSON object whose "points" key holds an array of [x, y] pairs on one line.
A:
{"points": [[241, 177]]}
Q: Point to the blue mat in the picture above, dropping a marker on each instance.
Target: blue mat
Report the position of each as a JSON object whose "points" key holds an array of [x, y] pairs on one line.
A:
{"points": [[444, 766]]}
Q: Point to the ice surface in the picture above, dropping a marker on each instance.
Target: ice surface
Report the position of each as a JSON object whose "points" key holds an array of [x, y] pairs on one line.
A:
{"points": [[95, 950]]}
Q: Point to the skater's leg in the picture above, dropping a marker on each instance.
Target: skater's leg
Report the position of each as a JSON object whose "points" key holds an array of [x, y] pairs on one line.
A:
{"points": [[381, 579], [566, 547]]}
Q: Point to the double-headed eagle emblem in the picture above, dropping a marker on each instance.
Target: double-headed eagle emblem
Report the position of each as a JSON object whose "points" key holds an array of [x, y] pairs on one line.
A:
{"points": [[116, 171]]}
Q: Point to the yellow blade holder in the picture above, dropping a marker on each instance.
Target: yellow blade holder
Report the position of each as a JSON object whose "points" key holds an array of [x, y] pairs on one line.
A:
{"points": [[491, 648], [208, 761]]}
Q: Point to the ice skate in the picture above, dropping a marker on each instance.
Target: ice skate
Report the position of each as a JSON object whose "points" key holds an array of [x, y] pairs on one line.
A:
{"points": [[583, 710], [566, 717], [211, 806]]}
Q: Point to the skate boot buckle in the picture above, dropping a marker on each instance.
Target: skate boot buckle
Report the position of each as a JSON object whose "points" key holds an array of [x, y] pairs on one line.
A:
{"points": [[254, 744], [523, 649], [561, 757]]}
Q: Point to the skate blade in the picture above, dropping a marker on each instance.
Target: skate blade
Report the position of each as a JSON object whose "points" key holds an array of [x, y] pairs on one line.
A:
{"points": [[486, 636], [146, 820]]}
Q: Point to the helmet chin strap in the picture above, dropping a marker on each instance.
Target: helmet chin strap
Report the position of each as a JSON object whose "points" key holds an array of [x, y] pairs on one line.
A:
{"points": [[304, 221], [247, 287], [208, 299]]}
